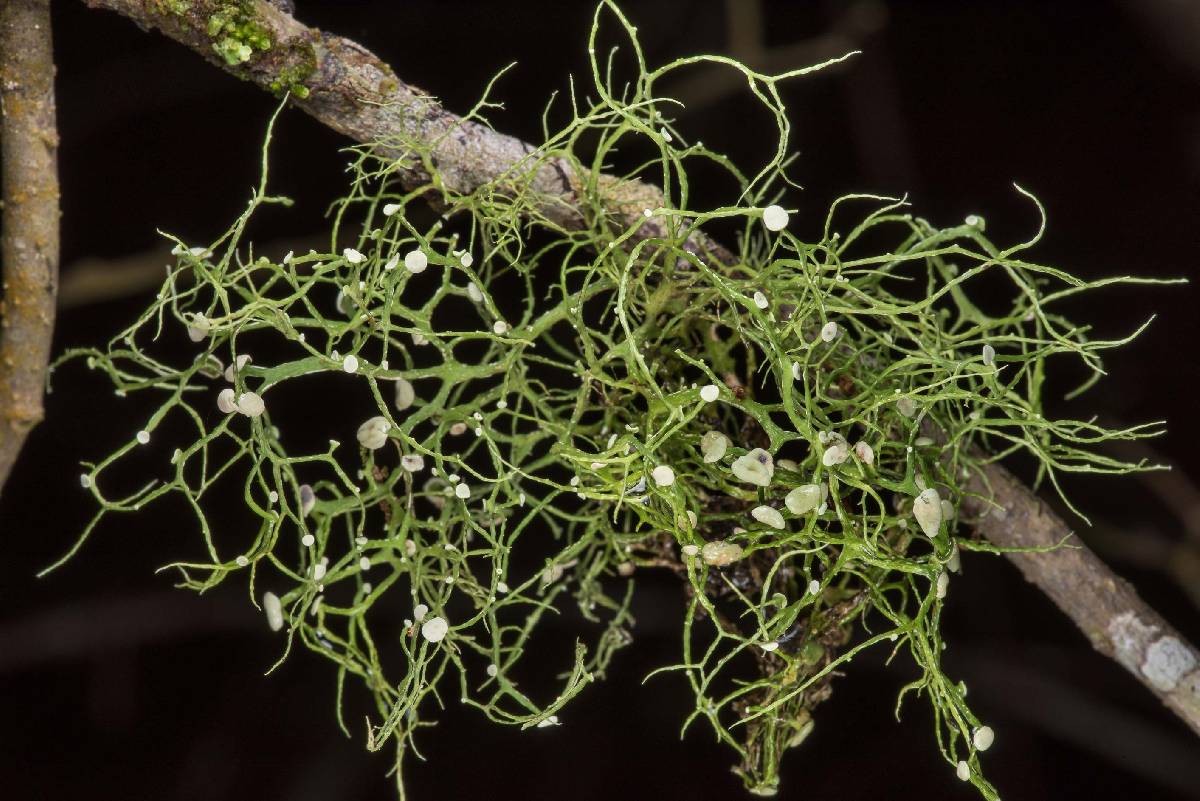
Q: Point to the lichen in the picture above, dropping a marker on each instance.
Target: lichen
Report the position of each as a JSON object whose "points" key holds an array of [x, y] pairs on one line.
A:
{"points": [[236, 33], [536, 421], [177, 8], [1168, 660]]}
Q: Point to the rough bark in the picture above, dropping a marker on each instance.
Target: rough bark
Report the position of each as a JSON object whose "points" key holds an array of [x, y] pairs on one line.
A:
{"points": [[353, 92], [29, 242]]}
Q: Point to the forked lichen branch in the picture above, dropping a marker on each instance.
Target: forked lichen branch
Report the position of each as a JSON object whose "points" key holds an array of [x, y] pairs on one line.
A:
{"points": [[556, 393]]}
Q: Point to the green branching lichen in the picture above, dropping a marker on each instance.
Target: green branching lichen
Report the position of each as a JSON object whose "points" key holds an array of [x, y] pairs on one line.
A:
{"points": [[236, 34], [545, 413]]}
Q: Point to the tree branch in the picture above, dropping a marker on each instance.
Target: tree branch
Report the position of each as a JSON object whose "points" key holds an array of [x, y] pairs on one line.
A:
{"points": [[349, 89], [1108, 611], [355, 93], [29, 243]]}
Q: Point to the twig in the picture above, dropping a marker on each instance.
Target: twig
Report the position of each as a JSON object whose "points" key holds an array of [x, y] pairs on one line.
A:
{"points": [[349, 89], [746, 27], [96, 280], [1118, 623], [29, 245], [353, 92]]}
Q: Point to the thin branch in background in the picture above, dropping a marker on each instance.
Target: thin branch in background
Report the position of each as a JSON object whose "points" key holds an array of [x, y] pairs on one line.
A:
{"points": [[96, 280], [744, 20], [1081, 717], [29, 244], [355, 93]]}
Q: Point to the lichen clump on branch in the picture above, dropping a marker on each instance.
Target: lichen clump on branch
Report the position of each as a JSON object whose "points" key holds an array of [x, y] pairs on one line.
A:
{"points": [[544, 414]]}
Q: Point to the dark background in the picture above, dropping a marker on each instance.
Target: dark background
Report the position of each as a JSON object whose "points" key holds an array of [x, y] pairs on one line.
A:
{"points": [[115, 686]]}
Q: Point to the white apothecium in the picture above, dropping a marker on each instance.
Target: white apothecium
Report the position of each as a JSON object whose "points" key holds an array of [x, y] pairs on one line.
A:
{"points": [[719, 553], [803, 499], [435, 629], [405, 394], [756, 467], [199, 327], [236, 367], [767, 516], [983, 738], [713, 446], [373, 434], [415, 261], [250, 404], [227, 400], [927, 508], [775, 218], [663, 475], [274, 610], [837, 452]]}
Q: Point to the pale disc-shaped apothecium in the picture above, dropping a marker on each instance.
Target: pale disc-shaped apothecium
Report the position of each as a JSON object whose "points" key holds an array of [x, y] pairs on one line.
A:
{"points": [[250, 404], [227, 400], [415, 261], [719, 553], [803, 499], [435, 629], [983, 738], [835, 454], [756, 467], [405, 394], [775, 218], [768, 516], [927, 509], [273, 608], [373, 434], [663, 475], [713, 446]]}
